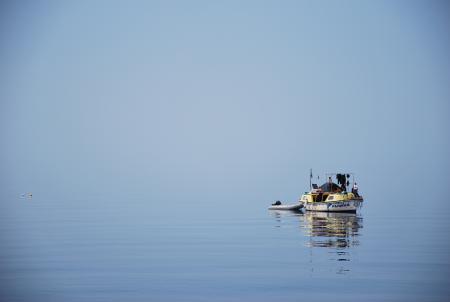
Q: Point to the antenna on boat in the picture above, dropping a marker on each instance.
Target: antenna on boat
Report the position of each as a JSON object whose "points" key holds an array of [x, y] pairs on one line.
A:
{"points": [[310, 178]]}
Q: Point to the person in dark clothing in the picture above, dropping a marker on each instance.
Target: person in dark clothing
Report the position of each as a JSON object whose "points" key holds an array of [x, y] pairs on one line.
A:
{"points": [[355, 189]]}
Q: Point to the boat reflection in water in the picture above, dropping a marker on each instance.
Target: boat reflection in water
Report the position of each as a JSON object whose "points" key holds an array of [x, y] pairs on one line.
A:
{"points": [[329, 236], [338, 233], [336, 230]]}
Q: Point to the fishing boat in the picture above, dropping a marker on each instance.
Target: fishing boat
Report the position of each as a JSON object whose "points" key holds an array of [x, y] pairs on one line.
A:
{"points": [[331, 196]]}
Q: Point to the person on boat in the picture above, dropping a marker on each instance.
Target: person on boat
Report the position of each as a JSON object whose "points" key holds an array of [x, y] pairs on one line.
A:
{"points": [[355, 189], [330, 185]]}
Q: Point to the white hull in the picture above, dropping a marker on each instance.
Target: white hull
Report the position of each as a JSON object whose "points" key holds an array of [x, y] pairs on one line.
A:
{"points": [[295, 206], [340, 206]]}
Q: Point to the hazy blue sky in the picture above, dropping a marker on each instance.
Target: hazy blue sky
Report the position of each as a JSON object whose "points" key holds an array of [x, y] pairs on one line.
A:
{"points": [[177, 100]]}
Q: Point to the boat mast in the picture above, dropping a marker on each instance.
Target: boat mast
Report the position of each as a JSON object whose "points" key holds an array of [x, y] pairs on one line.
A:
{"points": [[310, 178]]}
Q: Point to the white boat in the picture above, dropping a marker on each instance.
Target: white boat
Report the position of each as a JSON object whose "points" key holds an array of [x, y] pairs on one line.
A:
{"points": [[295, 206], [331, 197]]}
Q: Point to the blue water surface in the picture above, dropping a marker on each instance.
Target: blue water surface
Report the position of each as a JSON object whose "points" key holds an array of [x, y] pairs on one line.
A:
{"points": [[126, 250]]}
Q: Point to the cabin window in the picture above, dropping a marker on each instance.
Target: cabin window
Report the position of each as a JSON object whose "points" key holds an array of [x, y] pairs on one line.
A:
{"points": [[320, 197], [330, 197]]}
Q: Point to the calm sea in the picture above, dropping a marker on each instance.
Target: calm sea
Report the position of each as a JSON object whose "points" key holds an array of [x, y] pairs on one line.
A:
{"points": [[129, 250]]}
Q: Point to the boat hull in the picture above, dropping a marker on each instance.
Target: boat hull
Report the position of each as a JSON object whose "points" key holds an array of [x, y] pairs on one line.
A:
{"points": [[340, 206]]}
